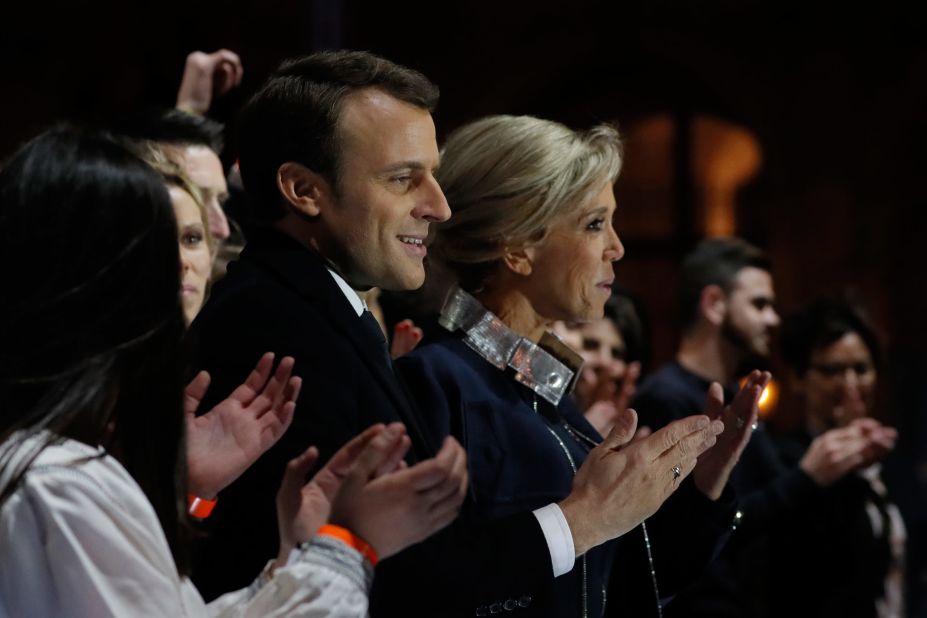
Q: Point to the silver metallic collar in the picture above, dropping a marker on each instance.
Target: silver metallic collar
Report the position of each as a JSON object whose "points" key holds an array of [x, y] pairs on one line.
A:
{"points": [[548, 368]]}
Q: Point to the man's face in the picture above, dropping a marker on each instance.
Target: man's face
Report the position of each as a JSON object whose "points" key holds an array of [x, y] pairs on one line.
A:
{"points": [[203, 167], [751, 315], [386, 195]]}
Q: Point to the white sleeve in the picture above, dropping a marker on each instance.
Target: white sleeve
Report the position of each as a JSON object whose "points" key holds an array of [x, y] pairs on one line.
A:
{"points": [[85, 541], [324, 578], [71, 547], [559, 538]]}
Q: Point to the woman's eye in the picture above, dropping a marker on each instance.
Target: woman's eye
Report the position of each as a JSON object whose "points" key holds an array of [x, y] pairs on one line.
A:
{"points": [[191, 239], [596, 224]]}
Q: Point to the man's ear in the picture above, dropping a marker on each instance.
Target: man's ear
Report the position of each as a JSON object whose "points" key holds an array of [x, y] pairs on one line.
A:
{"points": [[712, 304], [520, 260], [306, 191]]}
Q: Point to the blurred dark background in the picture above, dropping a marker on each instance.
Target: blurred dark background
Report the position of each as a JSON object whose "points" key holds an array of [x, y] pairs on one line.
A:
{"points": [[799, 126]]}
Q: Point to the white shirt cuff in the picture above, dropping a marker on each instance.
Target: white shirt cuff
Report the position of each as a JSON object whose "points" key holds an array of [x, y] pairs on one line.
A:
{"points": [[559, 538]]}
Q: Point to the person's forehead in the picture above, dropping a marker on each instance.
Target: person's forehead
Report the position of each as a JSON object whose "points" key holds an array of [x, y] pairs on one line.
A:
{"points": [[185, 209], [850, 346], [203, 167], [754, 282], [376, 126]]}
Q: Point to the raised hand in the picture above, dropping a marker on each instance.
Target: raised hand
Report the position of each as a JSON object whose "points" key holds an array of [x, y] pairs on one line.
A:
{"points": [[622, 482], [406, 335], [610, 398], [837, 452], [303, 507], [714, 467], [398, 509], [222, 443], [206, 76]]}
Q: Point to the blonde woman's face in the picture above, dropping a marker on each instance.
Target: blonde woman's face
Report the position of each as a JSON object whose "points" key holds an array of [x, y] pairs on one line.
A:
{"points": [[572, 275], [195, 260]]}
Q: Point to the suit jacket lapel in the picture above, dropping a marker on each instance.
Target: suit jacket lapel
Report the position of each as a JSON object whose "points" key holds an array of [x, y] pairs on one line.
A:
{"points": [[305, 272]]}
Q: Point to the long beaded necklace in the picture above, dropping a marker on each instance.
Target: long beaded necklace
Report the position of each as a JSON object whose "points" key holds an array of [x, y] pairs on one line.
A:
{"points": [[591, 443], [545, 373]]}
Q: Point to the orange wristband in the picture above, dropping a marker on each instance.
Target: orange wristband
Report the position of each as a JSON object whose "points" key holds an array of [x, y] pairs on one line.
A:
{"points": [[200, 507], [350, 539]]}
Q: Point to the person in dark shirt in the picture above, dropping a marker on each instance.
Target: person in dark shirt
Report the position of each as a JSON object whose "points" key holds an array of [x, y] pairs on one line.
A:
{"points": [[728, 317]]}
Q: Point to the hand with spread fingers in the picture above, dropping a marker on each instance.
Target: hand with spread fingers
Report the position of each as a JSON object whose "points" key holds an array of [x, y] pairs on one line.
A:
{"points": [[621, 483], [714, 467], [225, 441]]}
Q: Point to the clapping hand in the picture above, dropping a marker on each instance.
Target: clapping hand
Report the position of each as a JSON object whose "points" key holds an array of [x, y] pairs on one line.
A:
{"points": [[222, 443]]}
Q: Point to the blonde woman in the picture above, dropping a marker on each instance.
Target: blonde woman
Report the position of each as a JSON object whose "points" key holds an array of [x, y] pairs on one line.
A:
{"points": [[531, 242]]}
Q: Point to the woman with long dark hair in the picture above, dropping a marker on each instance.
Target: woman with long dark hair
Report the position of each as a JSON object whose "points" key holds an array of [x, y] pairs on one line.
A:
{"points": [[96, 435]]}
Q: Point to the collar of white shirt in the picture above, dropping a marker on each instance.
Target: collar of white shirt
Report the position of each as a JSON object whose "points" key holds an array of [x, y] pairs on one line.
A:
{"points": [[350, 293]]}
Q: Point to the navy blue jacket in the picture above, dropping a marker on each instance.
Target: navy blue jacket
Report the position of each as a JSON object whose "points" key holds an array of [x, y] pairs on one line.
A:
{"points": [[516, 445]]}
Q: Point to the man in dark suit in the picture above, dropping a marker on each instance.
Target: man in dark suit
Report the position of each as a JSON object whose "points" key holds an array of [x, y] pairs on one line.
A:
{"points": [[338, 153], [357, 211]]}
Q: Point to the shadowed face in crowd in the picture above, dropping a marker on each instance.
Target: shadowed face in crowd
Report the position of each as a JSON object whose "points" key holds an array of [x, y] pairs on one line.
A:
{"points": [[751, 316], [840, 382], [195, 258], [203, 167]]}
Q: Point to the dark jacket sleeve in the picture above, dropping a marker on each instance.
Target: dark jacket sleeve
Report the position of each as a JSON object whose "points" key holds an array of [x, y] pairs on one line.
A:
{"points": [[470, 564], [769, 490], [241, 534]]}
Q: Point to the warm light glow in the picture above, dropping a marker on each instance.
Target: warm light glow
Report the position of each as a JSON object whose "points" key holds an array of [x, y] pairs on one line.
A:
{"points": [[764, 397], [725, 157], [768, 399]]}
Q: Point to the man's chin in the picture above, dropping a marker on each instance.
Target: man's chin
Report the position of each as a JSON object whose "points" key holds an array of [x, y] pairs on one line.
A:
{"points": [[405, 281]]}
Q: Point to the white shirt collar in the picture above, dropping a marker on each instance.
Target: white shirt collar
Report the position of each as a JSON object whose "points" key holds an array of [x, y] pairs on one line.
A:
{"points": [[350, 293]]}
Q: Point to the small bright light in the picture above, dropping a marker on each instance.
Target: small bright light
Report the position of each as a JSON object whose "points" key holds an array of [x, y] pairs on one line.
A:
{"points": [[764, 397], [768, 398]]}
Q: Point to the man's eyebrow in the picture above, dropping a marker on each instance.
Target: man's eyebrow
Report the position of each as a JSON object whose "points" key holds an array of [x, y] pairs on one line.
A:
{"points": [[404, 165]]}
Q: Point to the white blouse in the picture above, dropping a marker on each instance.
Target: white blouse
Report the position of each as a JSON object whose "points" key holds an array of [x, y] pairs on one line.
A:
{"points": [[78, 537]]}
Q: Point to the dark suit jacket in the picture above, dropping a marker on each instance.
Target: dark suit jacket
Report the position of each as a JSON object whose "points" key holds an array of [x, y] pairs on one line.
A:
{"points": [[517, 464], [279, 297]]}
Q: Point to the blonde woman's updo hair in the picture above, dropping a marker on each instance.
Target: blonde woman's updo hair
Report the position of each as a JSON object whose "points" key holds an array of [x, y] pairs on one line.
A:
{"points": [[507, 179]]}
